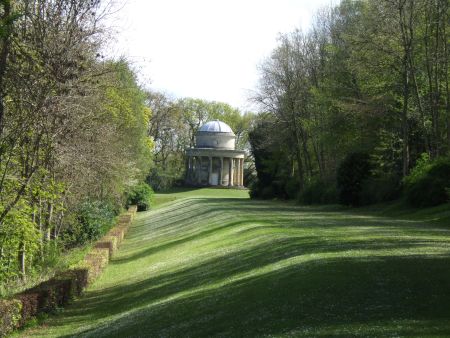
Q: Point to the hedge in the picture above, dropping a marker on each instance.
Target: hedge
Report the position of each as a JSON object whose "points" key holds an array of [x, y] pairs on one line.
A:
{"points": [[58, 291], [10, 311]]}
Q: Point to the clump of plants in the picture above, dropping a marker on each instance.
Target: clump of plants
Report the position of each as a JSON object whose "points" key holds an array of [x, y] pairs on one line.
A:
{"points": [[428, 184], [352, 173], [140, 195], [91, 220], [319, 191]]}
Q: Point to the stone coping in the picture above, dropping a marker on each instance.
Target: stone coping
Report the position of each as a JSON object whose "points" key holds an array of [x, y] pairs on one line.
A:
{"points": [[215, 152]]}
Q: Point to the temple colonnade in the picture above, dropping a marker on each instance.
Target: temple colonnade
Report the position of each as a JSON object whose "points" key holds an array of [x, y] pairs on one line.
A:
{"points": [[208, 169]]}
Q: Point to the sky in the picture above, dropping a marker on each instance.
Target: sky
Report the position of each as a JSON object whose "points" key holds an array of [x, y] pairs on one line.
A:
{"points": [[207, 49]]}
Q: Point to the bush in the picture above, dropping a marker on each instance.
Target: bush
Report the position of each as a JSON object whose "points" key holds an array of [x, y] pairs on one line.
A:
{"points": [[95, 262], [10, 315], [161, 180], [428, 183], [92, 220], [319, 191], [380, 189], [140, 195], [267, 192], [352, 172], [291, 188]]}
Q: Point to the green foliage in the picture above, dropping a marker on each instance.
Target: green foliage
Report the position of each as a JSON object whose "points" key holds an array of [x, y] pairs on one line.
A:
{"points": [[10, 315], [92, 219], [273, 163], [17, 231], [423, 165], [380, 189], [140, 195], [352, 172], [160, 180], [341, 88], [429, 183], [319, 191]]}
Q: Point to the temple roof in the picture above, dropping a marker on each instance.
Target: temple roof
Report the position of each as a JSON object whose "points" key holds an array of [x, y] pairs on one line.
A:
{"points": [[216, 126]]}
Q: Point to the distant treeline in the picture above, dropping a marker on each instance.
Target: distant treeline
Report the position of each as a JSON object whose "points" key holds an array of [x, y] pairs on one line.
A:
{"points": [[73, 132], [350, 106]]}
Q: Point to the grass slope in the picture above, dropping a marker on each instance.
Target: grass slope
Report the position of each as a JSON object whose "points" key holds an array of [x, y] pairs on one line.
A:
{"points": [[213, 263]]}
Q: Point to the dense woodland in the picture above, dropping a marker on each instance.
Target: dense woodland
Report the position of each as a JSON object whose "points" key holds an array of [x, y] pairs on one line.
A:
{"points": [[73, 132], [357, 108]]}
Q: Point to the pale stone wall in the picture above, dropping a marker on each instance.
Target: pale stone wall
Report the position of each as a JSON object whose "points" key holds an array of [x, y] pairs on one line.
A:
{"points": [[215, 140]]}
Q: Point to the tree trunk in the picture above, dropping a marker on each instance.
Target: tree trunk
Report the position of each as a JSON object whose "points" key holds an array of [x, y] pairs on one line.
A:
{"points": [[405, 127], [22, 260], [4, 57]]}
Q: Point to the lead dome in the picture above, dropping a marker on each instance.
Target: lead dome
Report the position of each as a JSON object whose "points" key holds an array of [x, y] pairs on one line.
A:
{"points": [[215, 134], [216, 126]]}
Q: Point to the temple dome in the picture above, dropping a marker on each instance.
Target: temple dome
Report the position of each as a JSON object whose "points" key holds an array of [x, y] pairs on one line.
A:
{"points": [[215, 134], [216, 126]]}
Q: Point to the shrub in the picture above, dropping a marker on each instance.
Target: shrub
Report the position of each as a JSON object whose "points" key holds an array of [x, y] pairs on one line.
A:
{"points": [[10, 315], [354, 169], [108, 242], [267, 192], [380, 189], [95, 262], [161, 180], [30, 305], [92, 220], [428, 184], [79, 278], [319, 191], [423, 165], [291, 188], [140, 195]]}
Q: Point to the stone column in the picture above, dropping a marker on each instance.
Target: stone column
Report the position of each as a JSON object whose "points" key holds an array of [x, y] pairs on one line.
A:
{"points": [[237, 173], [199, 169], [230, 174], [221, 172], [210, 170], [188, 170], [242, 172]]}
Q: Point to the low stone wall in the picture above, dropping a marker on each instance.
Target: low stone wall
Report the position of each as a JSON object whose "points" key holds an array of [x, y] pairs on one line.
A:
{"points": [[65, 286]]}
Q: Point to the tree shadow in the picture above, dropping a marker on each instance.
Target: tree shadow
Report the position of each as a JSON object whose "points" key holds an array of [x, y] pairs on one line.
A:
{"points": [[318, 295], [313, 282]]}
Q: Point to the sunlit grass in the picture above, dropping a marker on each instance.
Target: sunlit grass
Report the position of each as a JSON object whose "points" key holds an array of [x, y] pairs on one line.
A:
{"points": [[211, 262]]}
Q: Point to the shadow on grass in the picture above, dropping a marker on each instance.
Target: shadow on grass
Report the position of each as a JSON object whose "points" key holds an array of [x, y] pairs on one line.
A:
{"points": [[305, 283], [207, 299], [317, 295]]}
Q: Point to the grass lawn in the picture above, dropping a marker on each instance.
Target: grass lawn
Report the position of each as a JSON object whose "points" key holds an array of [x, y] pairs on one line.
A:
{"points": [[212, 262]]}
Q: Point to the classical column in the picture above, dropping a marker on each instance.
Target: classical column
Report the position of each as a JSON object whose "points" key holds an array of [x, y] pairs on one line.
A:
{"points": [[192, 171], [188, 165], [237, 173], [199, 170], [210, 170], [242, 172], [230, 173], [221, 171]]}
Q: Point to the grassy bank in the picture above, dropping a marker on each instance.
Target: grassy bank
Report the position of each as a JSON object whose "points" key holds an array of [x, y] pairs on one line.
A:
{"points": [[214, 263]]}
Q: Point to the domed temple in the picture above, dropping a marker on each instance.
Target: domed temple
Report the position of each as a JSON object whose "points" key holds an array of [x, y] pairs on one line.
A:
{"points": [[214, 160]]}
